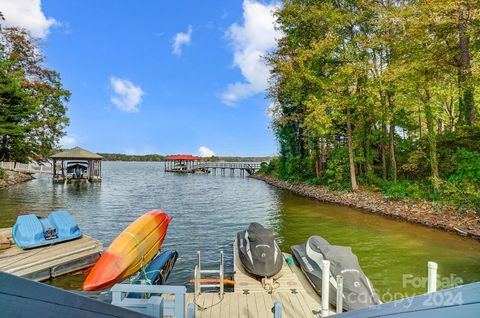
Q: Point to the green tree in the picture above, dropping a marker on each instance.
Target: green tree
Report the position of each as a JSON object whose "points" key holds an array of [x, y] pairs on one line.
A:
{"points": [[33, 100]]}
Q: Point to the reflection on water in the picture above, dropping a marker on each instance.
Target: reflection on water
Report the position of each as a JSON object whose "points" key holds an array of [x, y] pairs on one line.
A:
{"points": [[209, 210]]}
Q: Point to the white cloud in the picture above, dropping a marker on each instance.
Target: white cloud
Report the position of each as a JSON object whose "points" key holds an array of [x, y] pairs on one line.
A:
{"points": [[251, 41], [27, 14], [181, 39], [68, 141], [205, 152], [127, 96]]}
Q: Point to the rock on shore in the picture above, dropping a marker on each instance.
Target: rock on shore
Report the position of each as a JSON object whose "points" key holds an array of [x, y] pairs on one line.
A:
{"points": [[13, 177], [415, 211]]}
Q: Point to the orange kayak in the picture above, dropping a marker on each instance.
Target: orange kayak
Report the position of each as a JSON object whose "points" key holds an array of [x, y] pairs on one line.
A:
{"points": [[133, 248]]}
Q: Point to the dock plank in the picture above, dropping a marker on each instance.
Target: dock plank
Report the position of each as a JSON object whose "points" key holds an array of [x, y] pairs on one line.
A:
{"points": [[261, 306], [243, 309], [233, 305], [217, 304], [49, 261]]}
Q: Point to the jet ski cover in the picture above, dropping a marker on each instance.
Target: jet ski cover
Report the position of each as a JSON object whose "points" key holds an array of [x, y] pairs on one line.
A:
{"points": [[258, 251], [357, 290]]}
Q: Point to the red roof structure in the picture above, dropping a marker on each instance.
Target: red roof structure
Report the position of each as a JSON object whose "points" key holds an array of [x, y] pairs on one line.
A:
{"points": [[182, 157]]}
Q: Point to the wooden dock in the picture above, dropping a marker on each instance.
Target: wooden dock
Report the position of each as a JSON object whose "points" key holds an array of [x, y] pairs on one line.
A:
{"points": [[50, 261], [250, 299], [212, 167]]}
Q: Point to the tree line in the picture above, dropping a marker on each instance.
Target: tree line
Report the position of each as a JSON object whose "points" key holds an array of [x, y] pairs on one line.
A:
{"points": [[157, 157], [32, 99], [379, 93]]}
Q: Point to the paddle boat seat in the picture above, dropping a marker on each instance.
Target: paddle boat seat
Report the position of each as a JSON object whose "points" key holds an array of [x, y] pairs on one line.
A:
{"points": [[32, 231]]}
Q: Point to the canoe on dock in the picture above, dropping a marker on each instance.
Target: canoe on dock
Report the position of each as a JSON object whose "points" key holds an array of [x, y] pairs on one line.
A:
{"points": [[50, 261]]}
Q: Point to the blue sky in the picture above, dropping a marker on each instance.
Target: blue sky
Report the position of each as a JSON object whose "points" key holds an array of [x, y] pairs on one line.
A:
{"points": [[158, 76]]}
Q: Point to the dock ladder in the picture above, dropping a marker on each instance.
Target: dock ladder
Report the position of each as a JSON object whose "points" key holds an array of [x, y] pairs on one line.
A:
{"points": [[198, 276]]}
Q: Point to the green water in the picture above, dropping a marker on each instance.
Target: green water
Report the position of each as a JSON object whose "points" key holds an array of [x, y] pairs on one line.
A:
{"points": [[208, 211]]}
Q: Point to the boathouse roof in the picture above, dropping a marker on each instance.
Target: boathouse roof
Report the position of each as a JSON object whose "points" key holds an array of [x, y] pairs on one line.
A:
{"points": [[182, 157], [77, 153]]}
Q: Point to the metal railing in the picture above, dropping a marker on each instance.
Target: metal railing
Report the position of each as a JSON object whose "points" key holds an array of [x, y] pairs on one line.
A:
{"points": [[156, 305], [229, 165]]}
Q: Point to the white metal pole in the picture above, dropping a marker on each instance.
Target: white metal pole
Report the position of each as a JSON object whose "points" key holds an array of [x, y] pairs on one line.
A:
{"points": [[199, 274], [197, 281], [432, 277], [325, 287], [221, 273], [339, 294]]}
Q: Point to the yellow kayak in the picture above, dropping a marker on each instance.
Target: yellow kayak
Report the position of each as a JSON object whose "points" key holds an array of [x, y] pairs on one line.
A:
{"points": [[133, 248]]}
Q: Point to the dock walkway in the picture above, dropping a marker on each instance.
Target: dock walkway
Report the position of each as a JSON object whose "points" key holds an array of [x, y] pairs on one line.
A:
{"points": [[50, 261], [250, 299]]}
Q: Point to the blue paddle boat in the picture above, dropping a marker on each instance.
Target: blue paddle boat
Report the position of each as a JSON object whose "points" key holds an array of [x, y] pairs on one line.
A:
{"points": [[32, 231]]}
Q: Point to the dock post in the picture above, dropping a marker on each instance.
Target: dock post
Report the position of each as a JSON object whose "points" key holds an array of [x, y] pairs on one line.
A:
{"points": [[432, 277], [221, 274], [198, 270], [339, 294], [196, 277], [325, 287]]}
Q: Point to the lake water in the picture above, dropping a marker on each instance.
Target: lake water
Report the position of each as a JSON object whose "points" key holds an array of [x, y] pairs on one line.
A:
{"points": [[209, 210]]}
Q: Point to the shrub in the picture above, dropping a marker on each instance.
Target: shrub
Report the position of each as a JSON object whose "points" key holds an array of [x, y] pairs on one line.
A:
{"points": [[297, 169], [463, 195], [403, 189], [337, 173], [467, 167]]}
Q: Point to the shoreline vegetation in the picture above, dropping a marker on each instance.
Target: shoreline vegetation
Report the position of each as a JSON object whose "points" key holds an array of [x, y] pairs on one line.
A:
{"points": [[379, 96], [421, 212]]}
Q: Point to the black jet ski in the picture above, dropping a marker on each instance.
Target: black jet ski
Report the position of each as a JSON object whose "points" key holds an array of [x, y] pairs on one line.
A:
{"points": [[358, 292], [258, 251]]}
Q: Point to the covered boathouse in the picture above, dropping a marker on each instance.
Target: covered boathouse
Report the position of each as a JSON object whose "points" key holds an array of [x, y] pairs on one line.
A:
{"points": [[181, 163], [77, 164]]}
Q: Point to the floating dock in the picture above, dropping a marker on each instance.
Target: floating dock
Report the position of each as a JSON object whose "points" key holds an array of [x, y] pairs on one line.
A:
{"points": [[250, 299], [50, 261]]}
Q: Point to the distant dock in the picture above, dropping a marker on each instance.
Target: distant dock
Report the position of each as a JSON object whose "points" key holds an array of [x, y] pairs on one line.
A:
{"points": [[193, 164], [50, 261]]}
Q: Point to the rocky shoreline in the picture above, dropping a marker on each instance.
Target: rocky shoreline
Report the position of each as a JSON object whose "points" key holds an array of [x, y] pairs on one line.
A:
{"points": [[13, 177], [414, 211]]}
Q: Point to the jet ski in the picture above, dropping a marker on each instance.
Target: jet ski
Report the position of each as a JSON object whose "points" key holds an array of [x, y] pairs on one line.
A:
{"points": [[258, 251], [358, 292]]}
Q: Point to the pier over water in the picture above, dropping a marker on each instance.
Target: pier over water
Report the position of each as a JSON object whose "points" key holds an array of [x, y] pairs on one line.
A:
{"points": [[193, 164]]}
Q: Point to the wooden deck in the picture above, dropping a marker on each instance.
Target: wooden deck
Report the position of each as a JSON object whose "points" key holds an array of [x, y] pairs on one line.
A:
{"points": [[50, 261], [250, 299], [254, 305]]}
